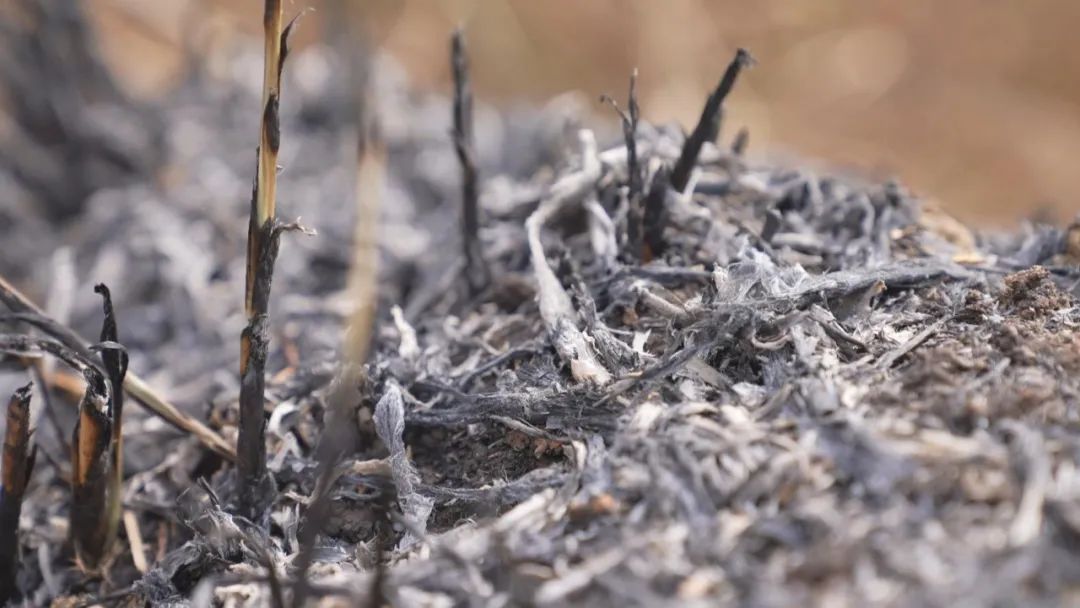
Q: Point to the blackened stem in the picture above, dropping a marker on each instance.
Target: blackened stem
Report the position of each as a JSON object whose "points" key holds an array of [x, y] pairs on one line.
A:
{"points": [[708, 126], [476, 272]]}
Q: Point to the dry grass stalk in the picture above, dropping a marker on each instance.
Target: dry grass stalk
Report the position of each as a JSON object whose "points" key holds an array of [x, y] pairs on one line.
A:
{"points": [[363, 272], [133, 384], [263, 236], [339, 435], [708, 126], [18, 462]]}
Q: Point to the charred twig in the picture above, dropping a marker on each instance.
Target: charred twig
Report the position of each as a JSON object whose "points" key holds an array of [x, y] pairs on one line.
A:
{"points": [[635, 215], [143, 393], [18, 462], [476, 272], [263, 237], [708, 126]]}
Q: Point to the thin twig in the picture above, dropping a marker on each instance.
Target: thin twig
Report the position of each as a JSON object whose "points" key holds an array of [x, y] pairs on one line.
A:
{"points": [[708, 126], [476, 272]]}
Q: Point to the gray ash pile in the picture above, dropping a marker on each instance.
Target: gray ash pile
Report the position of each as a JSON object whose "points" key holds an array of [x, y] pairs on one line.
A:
{"points": [[655, 370]]}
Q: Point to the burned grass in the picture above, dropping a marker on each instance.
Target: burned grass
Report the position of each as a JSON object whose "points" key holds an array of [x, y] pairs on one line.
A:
{"points": [[688, 376]]}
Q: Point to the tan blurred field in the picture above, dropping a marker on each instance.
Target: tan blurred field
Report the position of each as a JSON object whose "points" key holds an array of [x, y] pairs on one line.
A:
{"points": [[974, 103]]}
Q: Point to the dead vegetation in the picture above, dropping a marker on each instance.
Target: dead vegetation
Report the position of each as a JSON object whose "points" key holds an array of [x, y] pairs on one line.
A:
{"points": [[16, 466], [686, 376]]}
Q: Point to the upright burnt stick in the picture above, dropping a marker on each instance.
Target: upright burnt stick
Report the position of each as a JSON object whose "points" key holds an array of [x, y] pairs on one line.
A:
{"points": [[115, 360], [476, 272], [262, 248], [635, 229], [708, 125]]}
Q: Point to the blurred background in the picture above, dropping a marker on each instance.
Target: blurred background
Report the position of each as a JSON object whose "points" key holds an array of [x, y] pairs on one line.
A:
{"points": [[974, 104]]}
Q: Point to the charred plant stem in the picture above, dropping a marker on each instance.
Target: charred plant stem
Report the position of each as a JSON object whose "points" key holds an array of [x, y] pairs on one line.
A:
{"points": [[143, 393], [89, 525], [476, 271], [18, 462], [263, 233], [708, 125], [635, 216], [116, 363]]}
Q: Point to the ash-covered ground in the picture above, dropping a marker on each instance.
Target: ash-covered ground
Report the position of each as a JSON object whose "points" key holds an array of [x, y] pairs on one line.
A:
{"points": [[794, 388]]}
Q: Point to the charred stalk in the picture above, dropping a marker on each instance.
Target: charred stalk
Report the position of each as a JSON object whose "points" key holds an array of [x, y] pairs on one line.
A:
{"points": [[708, 126], [18, 462], [115, 360], [635, 215], [476, 272], [90, 523], [262, 247]]}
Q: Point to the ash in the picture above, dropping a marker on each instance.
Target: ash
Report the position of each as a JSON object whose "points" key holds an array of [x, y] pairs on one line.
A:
{"points": [[807, 389]]}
